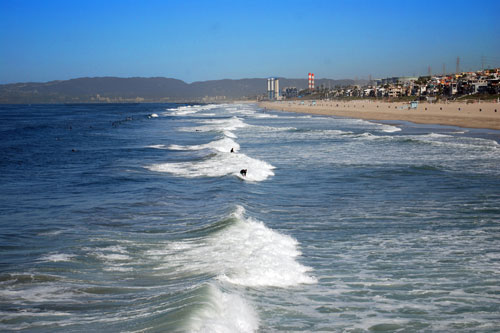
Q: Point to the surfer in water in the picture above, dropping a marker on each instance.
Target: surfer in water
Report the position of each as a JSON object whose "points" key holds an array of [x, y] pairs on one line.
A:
{"points": [[243, 172], [232, 150]]}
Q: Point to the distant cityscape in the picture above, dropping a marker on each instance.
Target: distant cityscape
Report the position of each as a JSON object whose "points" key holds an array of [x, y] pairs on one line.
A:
{"points": [[478, 85], [484, 83]]}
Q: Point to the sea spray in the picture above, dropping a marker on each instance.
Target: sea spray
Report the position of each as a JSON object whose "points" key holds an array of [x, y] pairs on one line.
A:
{"points": [[219, 165], [188, 110], [217, 125], [256, 256], [223, 312], [243, 251], [240, 252], [222, 145]]}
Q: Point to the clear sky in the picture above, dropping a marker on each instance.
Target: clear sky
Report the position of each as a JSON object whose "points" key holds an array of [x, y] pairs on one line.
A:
{"points": [[207, 40]]}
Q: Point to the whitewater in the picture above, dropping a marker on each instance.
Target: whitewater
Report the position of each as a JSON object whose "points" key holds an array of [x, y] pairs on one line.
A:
{"points": [[136, 218]]}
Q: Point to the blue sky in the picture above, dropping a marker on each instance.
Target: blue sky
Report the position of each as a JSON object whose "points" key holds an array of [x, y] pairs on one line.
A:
{"points": [[207, 40]]}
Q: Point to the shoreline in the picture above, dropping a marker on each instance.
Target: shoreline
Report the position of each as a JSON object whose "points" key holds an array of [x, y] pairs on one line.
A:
{"points": [[484, 115]]}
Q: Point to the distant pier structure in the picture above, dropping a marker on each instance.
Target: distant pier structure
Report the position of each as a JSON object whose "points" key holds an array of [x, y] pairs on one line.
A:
{"points": [[273, 88], [311, 81]]}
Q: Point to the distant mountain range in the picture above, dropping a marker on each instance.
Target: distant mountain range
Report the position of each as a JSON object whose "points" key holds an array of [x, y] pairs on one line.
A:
{"points": [[138, 89]]}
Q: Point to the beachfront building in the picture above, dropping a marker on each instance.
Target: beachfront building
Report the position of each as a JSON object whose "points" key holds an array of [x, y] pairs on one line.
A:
{"points": [[480, 86], [459, 84], [273, 89], [434, 87], [290, 92], [395, 91]]}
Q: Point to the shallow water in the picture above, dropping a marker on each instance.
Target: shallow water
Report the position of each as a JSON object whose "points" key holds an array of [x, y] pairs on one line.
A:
{"points": [[136, 218]]}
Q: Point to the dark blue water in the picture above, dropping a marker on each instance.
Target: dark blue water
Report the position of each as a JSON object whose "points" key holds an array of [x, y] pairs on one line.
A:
{"points": [[135, 217]]}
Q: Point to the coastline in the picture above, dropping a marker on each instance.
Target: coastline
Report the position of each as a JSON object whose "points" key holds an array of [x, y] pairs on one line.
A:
{"points": [[477, 115]]}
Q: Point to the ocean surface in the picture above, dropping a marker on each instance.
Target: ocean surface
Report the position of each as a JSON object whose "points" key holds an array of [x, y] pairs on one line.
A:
{"points": [[135, 218]]}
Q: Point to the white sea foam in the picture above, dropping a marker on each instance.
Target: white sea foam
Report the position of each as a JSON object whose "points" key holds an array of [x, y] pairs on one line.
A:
{"points": [[390, 129], [112, 256], [118, 268], [437, 135], [38, 293], [55, 257], [115, 248], [265, 115], [366, 136], [31, 313], [116, 258], [222, 145], [332, 132], [189, 109], [221, 125], [221, 164], [110, 253], [255, 255], [245, 253], [229, 134], [274, 129], [224, 313], [183, 110], [458, 142], [157, 146]]}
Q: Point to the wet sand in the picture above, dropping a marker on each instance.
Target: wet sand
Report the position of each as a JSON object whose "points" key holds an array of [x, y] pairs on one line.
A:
{"points": [[475, 115]]}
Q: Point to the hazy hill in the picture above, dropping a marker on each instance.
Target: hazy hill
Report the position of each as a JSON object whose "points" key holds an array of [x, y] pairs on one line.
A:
{"points": [[156, 89]]}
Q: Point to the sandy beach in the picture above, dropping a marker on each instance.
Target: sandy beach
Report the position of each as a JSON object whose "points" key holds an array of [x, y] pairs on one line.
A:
{"points": [[475, 115]]}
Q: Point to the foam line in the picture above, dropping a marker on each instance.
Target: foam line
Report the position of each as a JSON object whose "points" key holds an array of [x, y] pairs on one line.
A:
{"points": [[222, 145], [221, 164], [218, 125], [245, 252]]}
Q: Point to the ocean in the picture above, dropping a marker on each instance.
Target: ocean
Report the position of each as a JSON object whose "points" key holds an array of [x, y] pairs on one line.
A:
{"points": [[135, 218]]}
